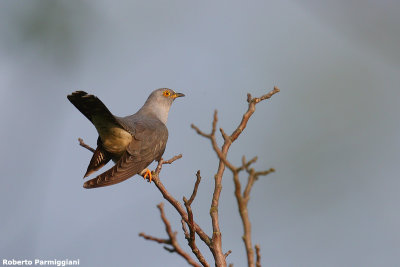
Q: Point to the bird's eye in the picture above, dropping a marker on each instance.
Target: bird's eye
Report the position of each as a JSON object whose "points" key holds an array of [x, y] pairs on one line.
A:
{"points": [[166, 93]]}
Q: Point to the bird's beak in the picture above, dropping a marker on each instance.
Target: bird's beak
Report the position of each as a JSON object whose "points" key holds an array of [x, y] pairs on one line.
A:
{"points": [[177, 95]]}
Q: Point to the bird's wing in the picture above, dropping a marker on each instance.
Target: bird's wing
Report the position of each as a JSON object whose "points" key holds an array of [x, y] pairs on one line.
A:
{"points": [[148, 144], [92, 108]]}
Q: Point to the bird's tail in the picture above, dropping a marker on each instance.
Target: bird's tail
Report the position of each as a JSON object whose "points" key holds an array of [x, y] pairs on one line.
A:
{"points": [[91, 107]]}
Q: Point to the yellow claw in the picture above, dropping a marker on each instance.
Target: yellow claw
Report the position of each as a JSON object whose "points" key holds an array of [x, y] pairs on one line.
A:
{"points": [[147, 174]]}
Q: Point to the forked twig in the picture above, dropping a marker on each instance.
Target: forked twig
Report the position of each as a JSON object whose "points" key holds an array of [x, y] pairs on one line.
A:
{"points": [[172, 241]]}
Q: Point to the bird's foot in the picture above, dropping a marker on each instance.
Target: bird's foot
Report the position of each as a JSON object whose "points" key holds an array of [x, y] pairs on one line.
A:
{"points": [[146, 173]]}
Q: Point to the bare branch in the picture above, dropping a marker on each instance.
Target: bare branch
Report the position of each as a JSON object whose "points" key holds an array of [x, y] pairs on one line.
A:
{"points": [[258, 255], [246, 165], [252, 107], [242, 205], [192, 233], [248, 98], [170, 250], [184, 229], [162, 162], [263, 173], [214, 125], [268, 95], [200, 132], [177, 205], [155, 239], [191, 237], [82, 144], [253, 176], [168, 229], [172, 159], [172, 239], [224, 135], [227, 253], [216, 244], [196, 186]]}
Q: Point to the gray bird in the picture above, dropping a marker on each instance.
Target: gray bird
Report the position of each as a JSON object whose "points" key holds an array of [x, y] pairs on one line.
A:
{"points": [[132, 142]]}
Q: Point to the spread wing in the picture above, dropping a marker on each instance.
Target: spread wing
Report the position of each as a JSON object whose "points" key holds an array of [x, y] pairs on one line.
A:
{"points": [[148, 144]]}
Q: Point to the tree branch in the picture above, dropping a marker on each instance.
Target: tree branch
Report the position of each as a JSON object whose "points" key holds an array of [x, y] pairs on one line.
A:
{"points": [[227, 253], [196, 187], [258, 255], [177, 205], [216, 243], [155, 239], [191, 237], [172, 239], [82, 144]]}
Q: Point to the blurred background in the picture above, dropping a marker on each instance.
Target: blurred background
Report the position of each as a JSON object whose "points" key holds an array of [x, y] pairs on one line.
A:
{"points": [[332, 133]]}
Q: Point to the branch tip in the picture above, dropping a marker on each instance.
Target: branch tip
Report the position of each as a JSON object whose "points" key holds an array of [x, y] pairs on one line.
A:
{"points": [[172, 241], [82, 144], [248, 98], [227, 253], [258, 255]]}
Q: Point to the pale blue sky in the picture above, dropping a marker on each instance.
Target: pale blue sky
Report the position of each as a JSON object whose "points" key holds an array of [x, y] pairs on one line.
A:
{"points": [[332, 134]]}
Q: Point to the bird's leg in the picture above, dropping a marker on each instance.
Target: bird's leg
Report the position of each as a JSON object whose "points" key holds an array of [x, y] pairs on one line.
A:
{"points": [[146, 173]]}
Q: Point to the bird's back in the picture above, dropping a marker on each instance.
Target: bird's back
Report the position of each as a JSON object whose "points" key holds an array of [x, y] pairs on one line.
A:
{"points": [[149, 131]]}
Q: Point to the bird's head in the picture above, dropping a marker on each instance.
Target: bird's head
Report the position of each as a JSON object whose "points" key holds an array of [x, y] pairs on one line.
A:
{"points": [[165, 95], [160, 101]]}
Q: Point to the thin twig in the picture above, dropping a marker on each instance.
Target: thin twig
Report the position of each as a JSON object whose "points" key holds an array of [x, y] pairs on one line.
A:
{"points": [[172, 159], [227, 253], [263, 173], [242, 205], [162, 162], [252, 107], [155, 239], [246, 165], [184, 229], [196, 187], [81, 143], [253, 176], [191, 236], [258, 255], [172, 239]]}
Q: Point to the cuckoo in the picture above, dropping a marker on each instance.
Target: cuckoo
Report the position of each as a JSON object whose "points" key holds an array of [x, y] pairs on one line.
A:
{"points": [[132, 142]]}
